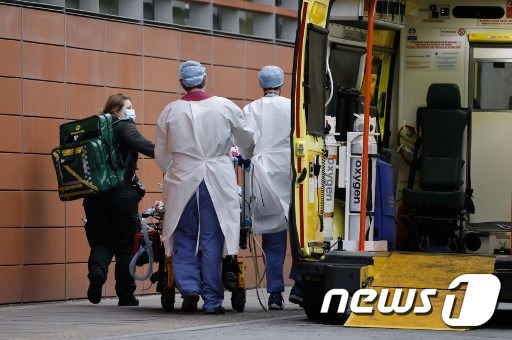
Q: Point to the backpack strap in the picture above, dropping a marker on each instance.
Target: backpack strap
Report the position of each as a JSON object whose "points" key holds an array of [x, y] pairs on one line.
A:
{"points": [[123, 161]]}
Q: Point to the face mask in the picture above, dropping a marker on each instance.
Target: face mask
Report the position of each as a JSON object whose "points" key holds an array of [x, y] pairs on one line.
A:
{"points": [[130, 113]]}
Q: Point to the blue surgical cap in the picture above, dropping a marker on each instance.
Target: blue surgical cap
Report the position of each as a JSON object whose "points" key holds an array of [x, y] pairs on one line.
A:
{"points": [[192, 73], [271, 77]]}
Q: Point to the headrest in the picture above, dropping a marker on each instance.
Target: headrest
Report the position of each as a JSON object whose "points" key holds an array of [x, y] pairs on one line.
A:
{"points": [[443, 96]]}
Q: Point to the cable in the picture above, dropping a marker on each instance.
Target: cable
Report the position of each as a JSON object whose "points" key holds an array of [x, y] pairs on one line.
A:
{"points": [[259, 280], [259, 187], [330, 79], [335, 243], [252, 241], [246, 202], [146, 248]]}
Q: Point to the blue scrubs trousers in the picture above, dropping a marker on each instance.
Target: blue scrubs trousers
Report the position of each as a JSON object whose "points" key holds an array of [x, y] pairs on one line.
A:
{"points": [[188, 267], [274, 246]]}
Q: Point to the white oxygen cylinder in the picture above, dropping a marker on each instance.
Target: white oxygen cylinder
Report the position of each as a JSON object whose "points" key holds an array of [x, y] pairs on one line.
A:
{"points": [[355, 174], [329, 186]]}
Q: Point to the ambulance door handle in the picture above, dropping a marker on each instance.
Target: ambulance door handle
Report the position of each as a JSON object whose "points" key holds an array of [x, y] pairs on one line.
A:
{"points": [[302, 176]]}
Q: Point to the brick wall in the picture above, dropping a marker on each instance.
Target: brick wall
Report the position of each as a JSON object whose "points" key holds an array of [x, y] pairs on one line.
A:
{"points": [[56, 67]]}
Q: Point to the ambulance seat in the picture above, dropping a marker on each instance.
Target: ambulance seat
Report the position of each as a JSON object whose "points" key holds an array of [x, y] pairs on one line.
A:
{"points": [[438, 158]]}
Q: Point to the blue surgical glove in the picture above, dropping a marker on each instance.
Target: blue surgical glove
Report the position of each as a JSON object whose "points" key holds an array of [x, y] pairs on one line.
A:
{"points": [[246, 163]]}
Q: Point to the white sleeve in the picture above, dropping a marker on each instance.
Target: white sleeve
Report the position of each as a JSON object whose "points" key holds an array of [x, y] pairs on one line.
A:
{"points": [[163, 156]]}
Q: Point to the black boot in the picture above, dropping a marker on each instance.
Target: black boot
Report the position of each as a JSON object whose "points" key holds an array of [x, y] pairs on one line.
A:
{"points": [[129, 301], [96, 281], [189, 304]]}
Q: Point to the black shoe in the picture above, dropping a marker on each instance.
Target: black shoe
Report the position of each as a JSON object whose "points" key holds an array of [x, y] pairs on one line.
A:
{"points": [[96, 281], [215, 311], [230, 281], [275, 301], [230, 272], [296, 295], [130, 302], [189, 304]]}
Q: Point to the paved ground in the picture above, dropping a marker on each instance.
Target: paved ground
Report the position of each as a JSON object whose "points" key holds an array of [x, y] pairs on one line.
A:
{"points": [[80, 319]]}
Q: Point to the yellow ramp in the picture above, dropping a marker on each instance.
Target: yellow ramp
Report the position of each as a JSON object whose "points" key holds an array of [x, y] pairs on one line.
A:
{"points": [[420, 271]]}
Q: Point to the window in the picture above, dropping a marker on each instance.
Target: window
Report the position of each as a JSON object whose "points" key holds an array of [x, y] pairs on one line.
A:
{"points": [[246, 22], [315, 79], [75, 4], [285, 28], [180, 13], [217, 22], [291, 4], [149, 10], [490, 84], [109, 7], [345, 64], [492, 87]]}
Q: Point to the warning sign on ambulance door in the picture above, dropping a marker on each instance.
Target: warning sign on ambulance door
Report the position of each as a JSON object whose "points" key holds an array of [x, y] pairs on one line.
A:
{"points": [[434, 44], [494, 22], [418, 62], [449, 32], [452, 32], [446, 61]]}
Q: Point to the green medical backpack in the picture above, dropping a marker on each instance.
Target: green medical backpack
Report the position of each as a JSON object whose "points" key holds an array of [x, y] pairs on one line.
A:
{"points": [[86, 162]]}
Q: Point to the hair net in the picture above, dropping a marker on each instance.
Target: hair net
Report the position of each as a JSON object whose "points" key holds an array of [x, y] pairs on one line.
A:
{"points": [[271, 77], [192, 73]]}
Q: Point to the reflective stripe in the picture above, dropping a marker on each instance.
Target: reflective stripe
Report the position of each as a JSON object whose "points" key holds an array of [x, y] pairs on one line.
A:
{"points": [[71, 194], [70, 187], [83, 181], [69, 152]]}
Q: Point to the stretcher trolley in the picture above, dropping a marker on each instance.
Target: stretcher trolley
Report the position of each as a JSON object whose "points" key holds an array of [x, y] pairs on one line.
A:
{"points": [[149, 249]]}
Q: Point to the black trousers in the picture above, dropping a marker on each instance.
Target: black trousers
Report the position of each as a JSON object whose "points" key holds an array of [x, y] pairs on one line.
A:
{"points": [[112, 221]]}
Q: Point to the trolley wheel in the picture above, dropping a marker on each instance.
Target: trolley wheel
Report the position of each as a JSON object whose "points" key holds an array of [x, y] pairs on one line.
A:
{"points": [[238, 299], [167, 299]]}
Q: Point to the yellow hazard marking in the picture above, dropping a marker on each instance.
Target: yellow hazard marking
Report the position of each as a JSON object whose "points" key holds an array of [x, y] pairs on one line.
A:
{"points": [[70, 187], [431, 321], [428, 270], [74, 151], [420, 271], [71, 194], [86, 183], [241, 276], [490, 37]]}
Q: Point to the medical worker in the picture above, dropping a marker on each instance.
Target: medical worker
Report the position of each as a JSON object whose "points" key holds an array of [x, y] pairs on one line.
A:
{"points": [[112, 216], [202, 210], [269, 117]]}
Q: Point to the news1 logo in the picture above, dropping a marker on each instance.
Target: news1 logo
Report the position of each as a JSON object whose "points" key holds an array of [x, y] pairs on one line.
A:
{"points": [[478, 306]]}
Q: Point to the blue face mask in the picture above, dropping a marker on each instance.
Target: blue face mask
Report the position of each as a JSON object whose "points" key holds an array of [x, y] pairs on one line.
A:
{"points": [[130, 114]]}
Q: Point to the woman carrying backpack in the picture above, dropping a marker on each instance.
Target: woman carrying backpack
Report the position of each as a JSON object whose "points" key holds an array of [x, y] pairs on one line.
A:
{"points": [[112, 216]]}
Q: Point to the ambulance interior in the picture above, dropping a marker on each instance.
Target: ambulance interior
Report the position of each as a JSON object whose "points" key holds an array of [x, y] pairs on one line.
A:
{"points": [[447, 64]]}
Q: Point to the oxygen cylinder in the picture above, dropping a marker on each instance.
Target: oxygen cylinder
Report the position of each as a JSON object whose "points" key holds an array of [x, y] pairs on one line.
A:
{"points": [[354, 181], [329, 180]]}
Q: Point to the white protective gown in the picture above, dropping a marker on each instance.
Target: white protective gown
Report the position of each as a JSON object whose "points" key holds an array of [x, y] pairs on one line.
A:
{"points": [[269, 117], [192, 143]]}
